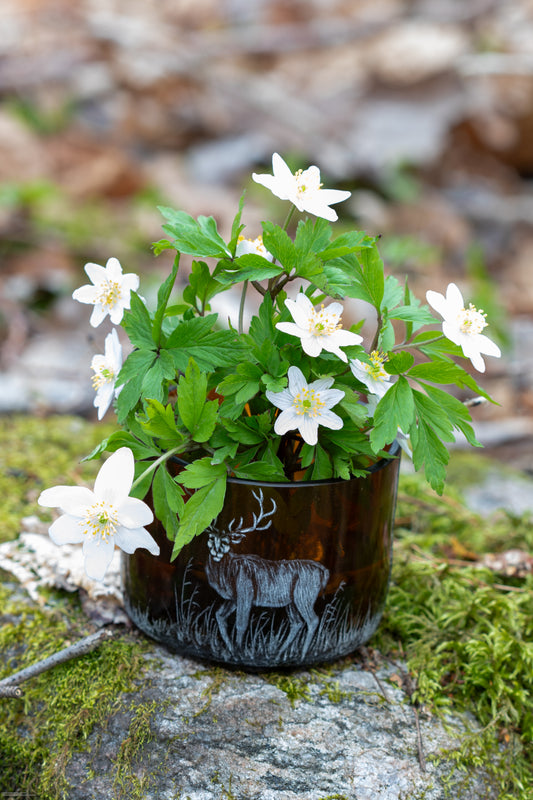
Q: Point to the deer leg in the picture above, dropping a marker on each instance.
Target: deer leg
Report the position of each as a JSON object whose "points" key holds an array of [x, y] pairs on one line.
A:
{"points": [[295, 626], [304, 600], [245, 596], [222, 613]]}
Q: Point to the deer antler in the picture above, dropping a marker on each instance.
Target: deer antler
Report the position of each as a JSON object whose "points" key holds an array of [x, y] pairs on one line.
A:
{"points": [[263, 516]]}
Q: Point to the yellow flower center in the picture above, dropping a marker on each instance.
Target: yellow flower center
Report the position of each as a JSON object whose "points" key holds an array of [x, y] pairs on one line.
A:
{"points": [[101, 520], [109, 293], [101, 376], [302, 188], [322, 323], [375, 369], [471, 321], [308, 402]]}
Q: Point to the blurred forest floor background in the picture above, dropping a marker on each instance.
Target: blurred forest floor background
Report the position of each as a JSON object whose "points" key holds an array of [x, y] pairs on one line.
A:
{"points": [[422, 108]]}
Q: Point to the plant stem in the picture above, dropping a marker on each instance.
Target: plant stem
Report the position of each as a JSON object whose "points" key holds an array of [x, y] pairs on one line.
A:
{"points": [[417, 346], [289, 217], [154, 464], [241, 306]]}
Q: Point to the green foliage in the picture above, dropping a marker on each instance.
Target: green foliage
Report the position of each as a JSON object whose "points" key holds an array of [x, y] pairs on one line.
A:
{"points": [[219, 395], [467, 633]]}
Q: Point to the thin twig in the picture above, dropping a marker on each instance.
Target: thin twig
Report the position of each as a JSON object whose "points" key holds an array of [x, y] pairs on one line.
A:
{"points": [[9, 686]]}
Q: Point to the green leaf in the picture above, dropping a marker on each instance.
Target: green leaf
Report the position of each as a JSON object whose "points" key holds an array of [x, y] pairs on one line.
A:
{"points": [[201, 472], [129, 396], [248, 267], [200, 511], [161, 423], [198, 238], [395, 410], [167, 500], [138, 325], [432, 414], [428, 450], [446, 372], [279, 243], [136, 365], [198, 416], [457, 412], [373, 274], [345, 244], [119, 439], [259, 471], [262, 327], [322, 467], [399, 362], [210, 349]]}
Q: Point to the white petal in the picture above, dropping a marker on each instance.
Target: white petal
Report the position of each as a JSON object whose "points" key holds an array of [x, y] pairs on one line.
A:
{"points": [[452, 332], [281, 400], [333, 347], [113, 482], [331, 396], [281, 170], [321, 384], [309, 429], [454, 299], [104, 398], [98, 556], [330, 196], [313, 205], [487, 346], [330, 420], [437, 301], [70, 499], [98, 315], [66, 530], [86, 294], [129, 539], [297, 381], [343, 338], [117, 312], [290, 328], [113, 269], [134, 513], [130, 282], [312, 345], [288, 420], [96, 273]]}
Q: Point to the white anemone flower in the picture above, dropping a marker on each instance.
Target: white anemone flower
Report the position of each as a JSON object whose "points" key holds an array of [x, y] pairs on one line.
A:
{"points": [[106, 368], [463, 325], [378, 382], [254, 246], [303, 189], [318, 328], [373, 376], [109, 292], [306, 406], [102, 518]]}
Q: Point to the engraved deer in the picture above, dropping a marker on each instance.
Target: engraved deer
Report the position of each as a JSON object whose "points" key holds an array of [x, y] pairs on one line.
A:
{"points": [[245, 581]]}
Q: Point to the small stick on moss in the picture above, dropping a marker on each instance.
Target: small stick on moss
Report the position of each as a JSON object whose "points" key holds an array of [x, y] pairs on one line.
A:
{"points": [[9, 686]]}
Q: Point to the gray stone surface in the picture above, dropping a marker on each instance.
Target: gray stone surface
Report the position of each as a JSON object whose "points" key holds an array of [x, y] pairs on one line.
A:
{"points": [[221, 735]]}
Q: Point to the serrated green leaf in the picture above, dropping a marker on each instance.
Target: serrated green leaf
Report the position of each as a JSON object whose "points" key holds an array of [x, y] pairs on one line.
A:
{"points": [[161, 422], [399, 362], [199, 238], [395, 410], [138, 324], [200, 511], [457, 412], [201, 472], [192, 393], [259, 471], [248, 267], [167, 500], [322, 466], [209, 348], [446, 372]]}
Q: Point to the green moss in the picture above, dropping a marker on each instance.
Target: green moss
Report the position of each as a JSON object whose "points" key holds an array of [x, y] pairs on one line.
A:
{"points": [[61, 707], [467, 634], [37, 453], [131, 781]]}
